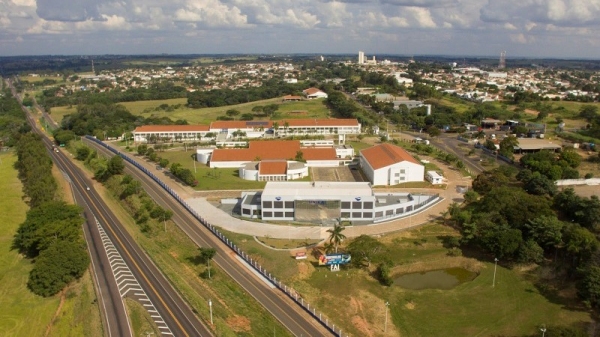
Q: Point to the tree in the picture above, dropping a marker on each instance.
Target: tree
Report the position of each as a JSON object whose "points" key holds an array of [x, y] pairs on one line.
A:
{"points": [[142, 149], [572, 158], [507, 146], [115, 165], [232, 113], [163, 162], [363, 249], [434, 131], [299, 156], [335, 235], [207, 254], [588, 288], [57, 266]]}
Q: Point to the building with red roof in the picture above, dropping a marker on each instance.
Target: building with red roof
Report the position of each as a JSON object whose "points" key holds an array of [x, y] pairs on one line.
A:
{"points": [[388, 164]]}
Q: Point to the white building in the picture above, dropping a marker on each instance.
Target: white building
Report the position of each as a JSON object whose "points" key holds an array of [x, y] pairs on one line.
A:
{"points": [[434, 178], [312, 93], [326, 202], [361, 57], [387, 164]]}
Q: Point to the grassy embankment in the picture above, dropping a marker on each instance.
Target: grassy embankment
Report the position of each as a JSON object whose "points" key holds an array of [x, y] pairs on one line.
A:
{"points": [[21, 312], [236, 313], [292, 110], [355, 301]]}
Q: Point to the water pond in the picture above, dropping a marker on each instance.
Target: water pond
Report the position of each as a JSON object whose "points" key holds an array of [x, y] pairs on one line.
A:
{"points": [[435, 279]]}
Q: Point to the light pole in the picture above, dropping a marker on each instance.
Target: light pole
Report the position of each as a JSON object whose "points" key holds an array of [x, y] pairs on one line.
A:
{"points": [[194, 160], [387, 304], [543, 330], [495, 266], [210, 308]]}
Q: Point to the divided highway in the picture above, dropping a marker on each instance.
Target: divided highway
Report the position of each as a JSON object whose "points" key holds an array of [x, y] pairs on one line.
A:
{"points": [[177, 315], [298, 321]]}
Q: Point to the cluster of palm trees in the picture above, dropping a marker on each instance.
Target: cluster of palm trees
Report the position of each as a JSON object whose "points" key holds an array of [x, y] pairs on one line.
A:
{"points": [[336, 237]]}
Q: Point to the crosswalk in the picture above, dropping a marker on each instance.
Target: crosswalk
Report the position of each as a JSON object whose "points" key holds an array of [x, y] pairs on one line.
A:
{"points": [[128, 284]]}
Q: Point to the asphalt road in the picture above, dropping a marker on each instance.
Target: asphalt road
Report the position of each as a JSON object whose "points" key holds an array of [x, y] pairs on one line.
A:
{"points": [[290, 314], [173, 309]]}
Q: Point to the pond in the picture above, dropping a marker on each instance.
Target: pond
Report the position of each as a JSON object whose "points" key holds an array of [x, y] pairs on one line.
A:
{"points": [[435, 279]]}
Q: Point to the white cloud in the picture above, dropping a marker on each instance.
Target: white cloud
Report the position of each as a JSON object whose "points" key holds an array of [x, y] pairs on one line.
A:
{"points": [[422, 16], [211, 13]]}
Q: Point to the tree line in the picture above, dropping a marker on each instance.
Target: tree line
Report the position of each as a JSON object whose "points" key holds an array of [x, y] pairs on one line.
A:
{"points": [[52, 232]]}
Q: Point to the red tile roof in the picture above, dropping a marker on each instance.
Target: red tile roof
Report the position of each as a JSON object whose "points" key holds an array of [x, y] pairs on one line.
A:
{"points": [[172, 128], [385, 155], [319, 122], [272, 167], [311, 91], [273, 150]]}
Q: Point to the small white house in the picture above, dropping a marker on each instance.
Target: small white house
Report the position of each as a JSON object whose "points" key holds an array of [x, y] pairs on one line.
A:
{"points": [[387, 164], [434, 178], [312, 93]]}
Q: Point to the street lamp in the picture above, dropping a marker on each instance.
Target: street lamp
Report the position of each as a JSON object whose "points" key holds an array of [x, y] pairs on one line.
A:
{"points": [[210, 307], [387, 304], [495, 266], [543, 330]]}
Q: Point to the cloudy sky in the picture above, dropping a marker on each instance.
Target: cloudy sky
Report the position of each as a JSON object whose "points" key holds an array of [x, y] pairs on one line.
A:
{"points": [[531, 28]]}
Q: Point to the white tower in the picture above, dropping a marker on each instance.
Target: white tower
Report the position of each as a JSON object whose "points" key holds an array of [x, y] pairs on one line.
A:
{"points": [[361, 57]]}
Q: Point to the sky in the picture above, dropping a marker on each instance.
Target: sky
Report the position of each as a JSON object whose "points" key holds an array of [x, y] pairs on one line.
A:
{"points": [[522, 28]]}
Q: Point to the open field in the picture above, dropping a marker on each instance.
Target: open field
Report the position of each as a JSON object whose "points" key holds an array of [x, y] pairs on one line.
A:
{"points": [[21, 312], [355, 301], [141, 322], [292, 110], [36, 79]]}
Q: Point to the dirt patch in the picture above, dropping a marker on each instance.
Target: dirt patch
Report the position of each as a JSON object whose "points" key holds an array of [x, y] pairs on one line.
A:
{"points": [[239, 323], [361, 325], [174, 255], [410, 306], [304, 271]]}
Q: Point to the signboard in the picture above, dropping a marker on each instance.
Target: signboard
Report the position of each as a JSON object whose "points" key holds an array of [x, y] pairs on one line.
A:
{"points": [[301, 256], [334, 259]]}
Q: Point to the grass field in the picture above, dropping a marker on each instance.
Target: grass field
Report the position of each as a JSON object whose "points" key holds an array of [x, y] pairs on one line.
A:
{"points": [[355, 301], [141, 322], [211, 178], [291, 110], [35, 79], [21, 312]]}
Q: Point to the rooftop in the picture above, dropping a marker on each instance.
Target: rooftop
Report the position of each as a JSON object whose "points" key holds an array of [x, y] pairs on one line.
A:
{"points": [[172, 128], [385, 155], [537, 144], [320, 189]]}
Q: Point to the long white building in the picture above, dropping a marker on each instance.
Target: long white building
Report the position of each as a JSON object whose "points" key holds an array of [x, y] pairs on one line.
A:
{"points": [[319, 202], [226, 130]]}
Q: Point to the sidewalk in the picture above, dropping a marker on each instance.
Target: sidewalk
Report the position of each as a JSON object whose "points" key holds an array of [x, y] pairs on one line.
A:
{"points": [[220, 218]]}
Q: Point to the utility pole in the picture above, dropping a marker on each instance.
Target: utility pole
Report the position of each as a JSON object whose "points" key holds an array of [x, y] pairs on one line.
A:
{"points": [[210, 308], [495, 266], [387, 304]]}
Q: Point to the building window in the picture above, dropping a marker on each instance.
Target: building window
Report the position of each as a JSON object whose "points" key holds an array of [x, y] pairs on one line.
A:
{"points": [[356, 205], [368, 205], [402, 178], [346, 204], [278, 204], [403, 171], [378, 214], [278, 214], [356, 215], [289, 204], [267, 214], [389, 212], [267, 204], [246, 211], [399, 210], [345, 215], [367, 215], [409, 208], [289, 214]]}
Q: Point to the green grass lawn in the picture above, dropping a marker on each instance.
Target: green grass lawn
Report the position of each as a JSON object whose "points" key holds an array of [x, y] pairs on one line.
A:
{"points": [[211, 178], [141, 322], [355, 301], [21, 312], [292, 110]]}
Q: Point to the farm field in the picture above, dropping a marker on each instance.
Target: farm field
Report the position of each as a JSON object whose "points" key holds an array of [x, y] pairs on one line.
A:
{"points": [[354, 300], [292, 110]]}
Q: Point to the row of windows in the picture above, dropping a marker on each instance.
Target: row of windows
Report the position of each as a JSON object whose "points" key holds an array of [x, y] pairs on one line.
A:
{"points": [[357, 205], [277, 214], [344, 204], [378, 214]]}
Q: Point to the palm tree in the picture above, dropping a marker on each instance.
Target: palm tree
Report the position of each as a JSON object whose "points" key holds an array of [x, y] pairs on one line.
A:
{"points": [[336, 237]]}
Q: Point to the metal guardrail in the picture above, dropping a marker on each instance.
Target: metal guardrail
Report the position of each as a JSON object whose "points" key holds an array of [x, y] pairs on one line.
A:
{"points": [[289, 291]]}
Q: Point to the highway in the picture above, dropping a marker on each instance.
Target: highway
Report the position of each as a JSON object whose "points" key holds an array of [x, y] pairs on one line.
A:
{"points": [[176, 313], [291, 315]]}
